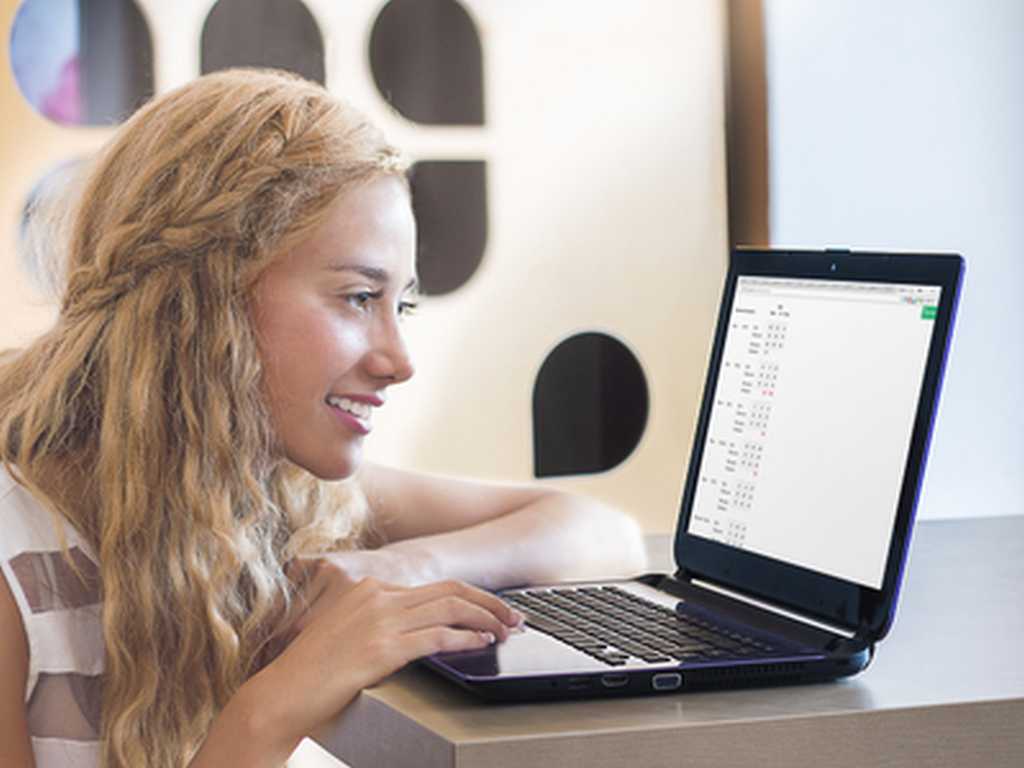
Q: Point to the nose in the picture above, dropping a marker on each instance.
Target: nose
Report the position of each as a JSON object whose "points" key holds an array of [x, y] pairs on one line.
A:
{"points": [[389, 358]]}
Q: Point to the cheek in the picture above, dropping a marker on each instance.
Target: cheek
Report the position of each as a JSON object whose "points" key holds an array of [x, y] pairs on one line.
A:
{"points": [[308, 351], [332, 349]]}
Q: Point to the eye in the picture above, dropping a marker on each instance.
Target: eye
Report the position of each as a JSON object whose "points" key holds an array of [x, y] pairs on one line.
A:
{"points": [[360, 299], [407, 308]]}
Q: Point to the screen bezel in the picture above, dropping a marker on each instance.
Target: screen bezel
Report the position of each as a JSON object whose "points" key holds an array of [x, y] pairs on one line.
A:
{"points": [[825, 598]]}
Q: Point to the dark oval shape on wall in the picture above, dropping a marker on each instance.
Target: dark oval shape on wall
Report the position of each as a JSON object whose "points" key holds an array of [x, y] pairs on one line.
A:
{"points": [[590, 406], [427, 62], [449, 199], [263, 33]]}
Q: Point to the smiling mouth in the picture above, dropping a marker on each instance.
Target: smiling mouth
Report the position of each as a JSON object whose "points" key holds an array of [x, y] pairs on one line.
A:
{"points": [[359, 410]]}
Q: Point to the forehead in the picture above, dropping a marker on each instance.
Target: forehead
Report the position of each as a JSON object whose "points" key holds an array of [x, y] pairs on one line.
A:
{"points": [[370, 225]]}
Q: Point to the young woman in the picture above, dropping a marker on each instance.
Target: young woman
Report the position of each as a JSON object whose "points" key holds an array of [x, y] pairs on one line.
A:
{"points": [[198, 568]]}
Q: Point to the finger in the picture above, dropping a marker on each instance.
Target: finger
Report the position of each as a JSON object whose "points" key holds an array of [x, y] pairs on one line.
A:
{"points": [[453, 611], [430, 640], [505, 612]]}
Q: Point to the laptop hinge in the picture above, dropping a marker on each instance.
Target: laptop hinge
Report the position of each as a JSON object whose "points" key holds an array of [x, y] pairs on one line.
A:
{"points": [[842, 632]]}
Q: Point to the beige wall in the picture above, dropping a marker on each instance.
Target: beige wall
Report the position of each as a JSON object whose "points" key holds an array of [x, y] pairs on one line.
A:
{"points": [[605, 149]]}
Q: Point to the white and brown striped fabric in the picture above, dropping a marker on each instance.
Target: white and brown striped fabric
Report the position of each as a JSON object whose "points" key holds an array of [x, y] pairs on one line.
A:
{"points": [[61, 614]]}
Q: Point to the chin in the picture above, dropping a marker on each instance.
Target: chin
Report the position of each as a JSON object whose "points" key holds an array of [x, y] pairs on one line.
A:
{"points": [[332, 467]]}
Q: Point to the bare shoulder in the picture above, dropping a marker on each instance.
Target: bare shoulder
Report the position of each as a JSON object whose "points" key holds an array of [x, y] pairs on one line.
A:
{"points": [[15, 748]]}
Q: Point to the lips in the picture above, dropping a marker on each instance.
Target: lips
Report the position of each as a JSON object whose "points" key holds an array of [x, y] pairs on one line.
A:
{"points": [[356, 413]]}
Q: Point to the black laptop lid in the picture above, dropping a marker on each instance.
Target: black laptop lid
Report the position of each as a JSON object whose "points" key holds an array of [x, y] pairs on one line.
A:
{"points": [[813, 431]]}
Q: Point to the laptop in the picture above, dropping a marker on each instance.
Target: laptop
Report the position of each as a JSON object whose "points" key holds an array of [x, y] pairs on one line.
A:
{"points": [[797, 506]]}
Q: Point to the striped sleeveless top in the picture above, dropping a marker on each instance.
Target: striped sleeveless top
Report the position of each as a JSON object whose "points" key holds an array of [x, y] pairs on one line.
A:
{"points": [[61, 615]]}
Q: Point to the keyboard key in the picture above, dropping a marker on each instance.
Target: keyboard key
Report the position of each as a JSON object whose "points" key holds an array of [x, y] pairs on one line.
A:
{"points": [[613, 625]]}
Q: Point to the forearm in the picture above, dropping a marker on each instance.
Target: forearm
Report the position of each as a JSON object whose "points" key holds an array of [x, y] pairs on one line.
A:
{"points": [[249, 731], [557, 537], [234, 740]]}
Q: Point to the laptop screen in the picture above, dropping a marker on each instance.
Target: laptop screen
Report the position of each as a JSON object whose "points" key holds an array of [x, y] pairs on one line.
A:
{"points": [[811, 421]]}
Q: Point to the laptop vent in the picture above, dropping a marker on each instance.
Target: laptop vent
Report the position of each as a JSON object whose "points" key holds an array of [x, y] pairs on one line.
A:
{"points": [[746, 674]]}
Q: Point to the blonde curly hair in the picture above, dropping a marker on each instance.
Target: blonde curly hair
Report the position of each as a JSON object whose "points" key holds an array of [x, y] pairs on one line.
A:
{"points": [[150, 387]]}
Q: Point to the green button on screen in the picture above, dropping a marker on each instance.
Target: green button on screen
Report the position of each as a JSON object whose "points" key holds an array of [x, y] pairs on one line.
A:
{"points": [[928, 312]]}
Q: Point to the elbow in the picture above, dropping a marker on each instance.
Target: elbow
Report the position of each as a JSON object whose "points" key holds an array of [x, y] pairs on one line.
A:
{"points": [[616, 539], [634, 548]]}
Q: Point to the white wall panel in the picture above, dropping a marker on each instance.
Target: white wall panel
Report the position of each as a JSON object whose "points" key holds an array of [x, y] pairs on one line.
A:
{"points": [[900, 125]]}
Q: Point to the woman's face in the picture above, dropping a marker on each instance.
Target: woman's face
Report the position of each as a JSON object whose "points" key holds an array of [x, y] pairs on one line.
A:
{"points": [[327, 321]]}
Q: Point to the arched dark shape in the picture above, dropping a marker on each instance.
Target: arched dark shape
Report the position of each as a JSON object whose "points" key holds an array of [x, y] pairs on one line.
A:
{"points": [[590, 405], [449, 199], [97, 67], [427, 62], [263, 33]]}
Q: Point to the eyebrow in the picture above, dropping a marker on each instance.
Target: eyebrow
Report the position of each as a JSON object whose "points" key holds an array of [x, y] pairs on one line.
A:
{"points": [[376, 274]]}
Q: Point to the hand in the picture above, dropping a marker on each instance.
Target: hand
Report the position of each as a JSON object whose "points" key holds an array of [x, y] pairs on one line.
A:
{"points": [[353, 634]]}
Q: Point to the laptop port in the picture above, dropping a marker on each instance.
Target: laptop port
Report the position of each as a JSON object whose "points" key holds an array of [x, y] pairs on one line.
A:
{"points": [[579, 683], [666, 681], [614, 681]]}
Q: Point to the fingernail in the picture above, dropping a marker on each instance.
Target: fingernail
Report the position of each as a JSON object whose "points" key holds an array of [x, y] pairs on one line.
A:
{"points": [[517, 618], [488, 636]]}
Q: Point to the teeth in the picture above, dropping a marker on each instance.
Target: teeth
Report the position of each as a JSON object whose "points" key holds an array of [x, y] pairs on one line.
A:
{"points": [[360, 410]]}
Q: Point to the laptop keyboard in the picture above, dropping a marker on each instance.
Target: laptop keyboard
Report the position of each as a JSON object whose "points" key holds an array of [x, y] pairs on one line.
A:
{"points": [[615, 626]]}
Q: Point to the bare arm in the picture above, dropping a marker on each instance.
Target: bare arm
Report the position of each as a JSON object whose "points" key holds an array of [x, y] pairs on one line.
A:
{"points": [[351, 636], [15, 747], [496, 536], [347, 635]]}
